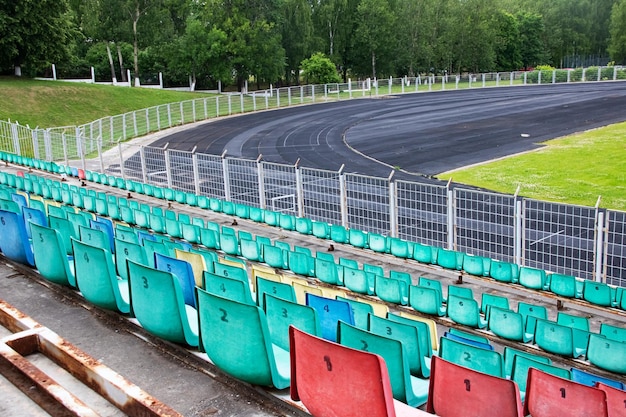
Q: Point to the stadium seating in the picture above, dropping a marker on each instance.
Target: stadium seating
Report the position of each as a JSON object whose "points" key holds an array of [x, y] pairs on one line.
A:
{"points": [[548, 395], [405, 387], [330, 312], [321, 370], [236, 338], [50, 256], [473, 357], [158, 303], [456, 391]]}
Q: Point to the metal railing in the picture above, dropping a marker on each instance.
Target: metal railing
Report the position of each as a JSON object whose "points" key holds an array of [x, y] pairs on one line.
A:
{"points": [[588, 242]]}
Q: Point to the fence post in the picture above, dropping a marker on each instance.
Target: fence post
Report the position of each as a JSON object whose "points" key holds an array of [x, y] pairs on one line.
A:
{"points": [[267, 100], [230, 105], [226, 177], [243, 110], [261, 179], [497, 79], [470, 77], [134, 123], [289, 96], [569, 73], [54, 72], [299, 189], [147, 121], [301, 95], [278, 98], [16, 139], [518, 228], [64, 142], [144, 171], [206, 114], [451, 216], [181, 111], [313, 93], [402, 82], [217, 106], [35, 137], [483, 75], [99, 146], [584, 73], [254, 101], [93, 75], [553, 76], [599, 74], [350, 87], [393, 207], [511, 78], [599, 243], [343, 197], [390, 84], [79, 148], [119, 149], [325, 92], [196, 171], [47, 142], [525, 77], [193, 109], [168, 165], [614, 73], [539, 77]]}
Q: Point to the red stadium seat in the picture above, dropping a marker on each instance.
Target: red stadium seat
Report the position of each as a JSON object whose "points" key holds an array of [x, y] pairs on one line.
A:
{"points": [[615, 400], [456, 391], [548, 395], [334, 380]]}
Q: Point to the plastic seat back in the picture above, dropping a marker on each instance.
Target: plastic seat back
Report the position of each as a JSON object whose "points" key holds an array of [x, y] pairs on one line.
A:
{"points": [[510, 354], [557, 339], [196, 261], [182, 271], [124, 251], [14, 242], [573, 321], [360, 311], [521, 365], [158, 305], [395, 358], [599, 293], [533, 278], [301, 263], [273, 288], [378, 243], [503, 271], [50, 256], [96, 278], [391, 290], [548, 395], [330, 312], [321, 370], [423, 332], [479, 359], [607, 354], [236, 338], [230, 288], [615, 399], [326, 271], [400, 248], [32, 215], [460, 291], [563, 285], [275, 256], [423, 253], [426, 300], [613, 332], [476, 265], [282, 313], [409, 338], [456, 391], [492, 300], [591, 379], [506, 324], [465, 311], [358, 280], [450, 259]]}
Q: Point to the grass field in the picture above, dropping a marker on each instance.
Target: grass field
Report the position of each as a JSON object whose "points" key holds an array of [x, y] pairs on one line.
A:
{"points": [[51, 104], [575, 169]]}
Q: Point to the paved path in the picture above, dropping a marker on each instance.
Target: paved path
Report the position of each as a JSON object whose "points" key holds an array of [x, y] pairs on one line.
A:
{"points": [[424, 133]]}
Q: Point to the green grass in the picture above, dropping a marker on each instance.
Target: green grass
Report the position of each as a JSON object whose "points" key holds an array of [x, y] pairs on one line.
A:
{"points": [[51, 104], [575, 169]]}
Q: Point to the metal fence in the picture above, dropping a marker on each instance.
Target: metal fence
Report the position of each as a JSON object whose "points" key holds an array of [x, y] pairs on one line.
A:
{"points": [[587, 242]]}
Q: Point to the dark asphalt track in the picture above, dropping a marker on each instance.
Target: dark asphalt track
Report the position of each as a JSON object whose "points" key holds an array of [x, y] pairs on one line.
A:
{"points": [[424, 133]]}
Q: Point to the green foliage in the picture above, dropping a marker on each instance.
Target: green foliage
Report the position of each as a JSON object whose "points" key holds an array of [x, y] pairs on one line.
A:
{"points": [[319, 69], [544, 68], [34, 33], [617, 44], [49, 104]]}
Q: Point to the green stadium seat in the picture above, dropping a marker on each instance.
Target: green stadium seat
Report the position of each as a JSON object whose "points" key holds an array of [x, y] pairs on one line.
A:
{"points": [[230, 288], [408, 335], [565, 286], [573, 321], [476, 265], [127, 250], [482, 360], [357, 238], [406, 388], [157, 303], [96, 278], [507, 324], [50, 256], [522, 364], [275, 289], [612, 332], [320, 230], [450, 259], [510, 354], [423, 253], [561, 340], [599, 293], [360, 311], [378, 243], [358, 280], [391, 290], [465, 311], [533, 278], [426, 300], [236, 338], [607, 354], [504, 271], [283, 313]]}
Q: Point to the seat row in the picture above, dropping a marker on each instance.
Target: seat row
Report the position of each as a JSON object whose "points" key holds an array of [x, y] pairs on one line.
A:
{"points": [[87, 256], [568, 286], [426, 297]]}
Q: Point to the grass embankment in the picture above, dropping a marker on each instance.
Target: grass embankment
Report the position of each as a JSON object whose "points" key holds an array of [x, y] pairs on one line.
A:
{"points": [[52, 103], [574, 169]]}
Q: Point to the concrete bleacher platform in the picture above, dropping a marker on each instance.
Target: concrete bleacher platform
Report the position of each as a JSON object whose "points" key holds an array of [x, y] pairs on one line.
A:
{"points": [[192, 386]]}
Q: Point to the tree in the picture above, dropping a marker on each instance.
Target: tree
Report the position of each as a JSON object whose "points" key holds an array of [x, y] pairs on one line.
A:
{"points": [[319, 69], [617, 44], [33, 33], [375, 31], [507, 49], [530, 26], [297, 33]]}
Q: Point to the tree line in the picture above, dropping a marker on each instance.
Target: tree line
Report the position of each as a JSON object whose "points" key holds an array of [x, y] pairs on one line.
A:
{"points": [[266, 41]]}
